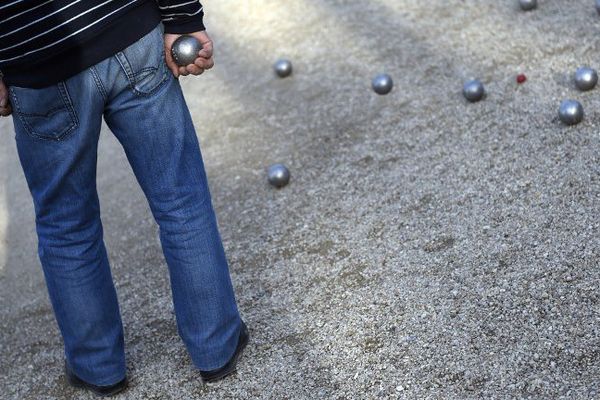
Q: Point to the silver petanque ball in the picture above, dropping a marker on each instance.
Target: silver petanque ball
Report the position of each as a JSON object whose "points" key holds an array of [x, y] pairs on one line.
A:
{"points": [[570, 112], [586, 78], [527, 5], [382, 84], [283, 68], [473, 90], [185, 50], [278, 175]]}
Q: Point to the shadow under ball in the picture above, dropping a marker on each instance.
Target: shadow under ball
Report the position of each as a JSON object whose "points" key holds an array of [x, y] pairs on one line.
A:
{"points": [[586, 78], [527, 5], [185, 50], [382, 84], [283, 68], [473, 90], [278, 175], [570, 112]]}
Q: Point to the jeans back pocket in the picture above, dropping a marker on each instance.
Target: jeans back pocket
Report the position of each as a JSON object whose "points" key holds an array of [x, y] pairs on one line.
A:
{"points": [[45, 113], [144, 63]]}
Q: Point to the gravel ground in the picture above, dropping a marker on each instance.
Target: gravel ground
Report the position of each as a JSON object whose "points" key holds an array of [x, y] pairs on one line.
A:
{"points": [[427, 248]]}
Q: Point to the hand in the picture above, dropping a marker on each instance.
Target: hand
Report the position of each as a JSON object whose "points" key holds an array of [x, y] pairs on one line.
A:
{"points": [[203, 62], [5, 108]]}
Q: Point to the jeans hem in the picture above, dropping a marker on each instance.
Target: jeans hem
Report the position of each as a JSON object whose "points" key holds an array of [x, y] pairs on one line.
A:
{"points": [[221, 364]]}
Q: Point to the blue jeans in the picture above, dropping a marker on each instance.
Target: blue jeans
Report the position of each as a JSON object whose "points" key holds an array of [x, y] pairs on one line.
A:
{"points": [[57, 130]]}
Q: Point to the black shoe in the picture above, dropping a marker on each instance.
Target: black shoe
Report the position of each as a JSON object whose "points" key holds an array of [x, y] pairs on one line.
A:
{"points": [[102, 391], [229, 368]]}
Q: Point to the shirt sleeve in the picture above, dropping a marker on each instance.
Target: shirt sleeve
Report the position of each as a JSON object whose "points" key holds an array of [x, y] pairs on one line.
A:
{"points": [[181, 16]]}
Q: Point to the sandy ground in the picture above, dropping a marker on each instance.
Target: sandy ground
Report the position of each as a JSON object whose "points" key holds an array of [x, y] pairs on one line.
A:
{"points": [[426, 248]]}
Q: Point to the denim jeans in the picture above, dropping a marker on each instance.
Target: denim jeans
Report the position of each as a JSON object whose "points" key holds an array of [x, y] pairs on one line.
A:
{"points": [[57, 130]]}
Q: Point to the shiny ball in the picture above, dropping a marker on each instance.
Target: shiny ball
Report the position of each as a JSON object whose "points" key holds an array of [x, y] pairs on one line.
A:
{"points": [[278, 175], [598, 6], [473, 90], [185, 50], [586, 78], [570, 112], [382, 84], [283, 68], [527, 5]]}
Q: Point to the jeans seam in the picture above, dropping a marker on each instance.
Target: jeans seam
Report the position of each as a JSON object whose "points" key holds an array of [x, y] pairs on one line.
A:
{"points": [[98, 82], [67, 99], [158, 86], [122, 59], [67, 102], [133, 76]]}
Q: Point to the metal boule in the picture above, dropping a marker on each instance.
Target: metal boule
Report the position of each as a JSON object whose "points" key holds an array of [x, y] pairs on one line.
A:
{"points": [[278, 175], [570, 112], [185, 50], [586, 78], [382, 84], [283, 68], [473, 90], [527, 5]]}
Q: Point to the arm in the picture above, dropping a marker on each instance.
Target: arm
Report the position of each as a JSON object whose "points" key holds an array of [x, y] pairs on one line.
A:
{"points": [[185, 17], [181, 16]]}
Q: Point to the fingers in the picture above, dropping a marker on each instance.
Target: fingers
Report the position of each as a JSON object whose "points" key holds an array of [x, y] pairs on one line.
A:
{"points": [[198, 67], [207, 50], [195, 69], [3, 94], [205, 58], [183, 71], [5, 111], [207, 45], [5, 108], [203, 61]]}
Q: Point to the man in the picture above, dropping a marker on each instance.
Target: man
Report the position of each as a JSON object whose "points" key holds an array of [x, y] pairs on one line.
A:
{"points": [[66, 64]]}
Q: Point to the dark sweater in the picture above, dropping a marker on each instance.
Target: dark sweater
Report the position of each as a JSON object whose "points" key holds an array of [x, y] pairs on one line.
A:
{"points": [[43, 42]]}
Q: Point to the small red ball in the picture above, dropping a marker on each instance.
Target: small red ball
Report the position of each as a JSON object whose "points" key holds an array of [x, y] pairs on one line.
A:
{"points": [[521, 78]]}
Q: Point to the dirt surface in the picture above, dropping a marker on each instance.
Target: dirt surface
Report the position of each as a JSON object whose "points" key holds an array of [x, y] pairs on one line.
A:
{"points": [[426, 248]]}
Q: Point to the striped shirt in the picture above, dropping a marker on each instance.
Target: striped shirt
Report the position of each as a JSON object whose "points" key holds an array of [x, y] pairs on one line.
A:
{"points": [[36, 35]]}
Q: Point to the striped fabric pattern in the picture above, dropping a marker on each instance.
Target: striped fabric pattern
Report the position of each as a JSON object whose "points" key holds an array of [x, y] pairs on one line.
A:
{"points": [[171, 12], [29, 28]]}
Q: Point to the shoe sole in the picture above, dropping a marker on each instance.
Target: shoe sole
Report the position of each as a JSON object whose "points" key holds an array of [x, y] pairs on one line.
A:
{"points": [[79, 384]]}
